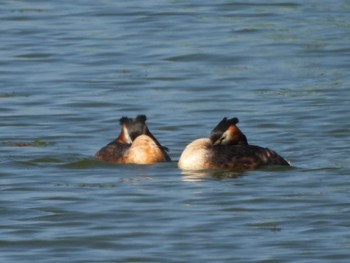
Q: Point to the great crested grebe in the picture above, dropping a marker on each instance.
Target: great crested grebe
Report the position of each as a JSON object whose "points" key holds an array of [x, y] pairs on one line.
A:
{"points": [[227, 148], [135, 144]]}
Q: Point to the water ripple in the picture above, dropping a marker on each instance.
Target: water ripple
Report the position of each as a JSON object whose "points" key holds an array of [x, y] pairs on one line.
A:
{"points": [[70, 71]]}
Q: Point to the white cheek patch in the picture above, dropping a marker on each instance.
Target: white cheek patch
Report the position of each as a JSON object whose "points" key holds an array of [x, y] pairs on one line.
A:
{"points": [[126, 134], [226, 137]]}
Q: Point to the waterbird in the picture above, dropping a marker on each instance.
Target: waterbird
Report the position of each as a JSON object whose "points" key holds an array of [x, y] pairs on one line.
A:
{"points": [[227, 148], [134, 145]]}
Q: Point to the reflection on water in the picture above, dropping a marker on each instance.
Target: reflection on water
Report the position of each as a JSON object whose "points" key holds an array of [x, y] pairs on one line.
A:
{"points": [[202, 175], [195, 176]]}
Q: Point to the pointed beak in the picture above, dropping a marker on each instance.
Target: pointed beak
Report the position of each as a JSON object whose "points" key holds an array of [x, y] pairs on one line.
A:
{"points": [[214, 139], [217, 142]]}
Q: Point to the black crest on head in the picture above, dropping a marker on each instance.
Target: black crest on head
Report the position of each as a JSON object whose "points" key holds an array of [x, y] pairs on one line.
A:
{"points": [[222, 126], [135, 127], [141, 118], [123, 120], [225, 123]]}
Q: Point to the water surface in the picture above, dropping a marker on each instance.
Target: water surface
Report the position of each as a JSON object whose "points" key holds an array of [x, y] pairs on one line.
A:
{"points": [[69, 70]]}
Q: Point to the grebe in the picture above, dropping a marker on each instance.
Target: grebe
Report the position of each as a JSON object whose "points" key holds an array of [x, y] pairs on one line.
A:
{"points": [[228, 149], [135, 144]]}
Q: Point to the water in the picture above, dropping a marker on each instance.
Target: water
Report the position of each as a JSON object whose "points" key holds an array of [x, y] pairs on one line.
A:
{"points": [[70, 69]]}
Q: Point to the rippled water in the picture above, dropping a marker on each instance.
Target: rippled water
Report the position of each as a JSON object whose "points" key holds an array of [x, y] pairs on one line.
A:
{"points": [[70, 69]]}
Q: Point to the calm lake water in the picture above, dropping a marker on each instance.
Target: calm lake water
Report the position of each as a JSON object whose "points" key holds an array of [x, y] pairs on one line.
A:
{"points": [[70, 69]]}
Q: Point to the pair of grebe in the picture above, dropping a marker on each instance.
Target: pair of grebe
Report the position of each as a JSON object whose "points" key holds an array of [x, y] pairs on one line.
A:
{"points": [[226, 148]]}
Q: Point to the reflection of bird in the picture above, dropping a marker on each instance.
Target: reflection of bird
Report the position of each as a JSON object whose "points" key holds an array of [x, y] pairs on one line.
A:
{"points": [[227, 148], [135, 144]]}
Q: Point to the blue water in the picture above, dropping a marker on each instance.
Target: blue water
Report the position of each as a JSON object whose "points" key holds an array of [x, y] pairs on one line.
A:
{"points": [[70, 69]]}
